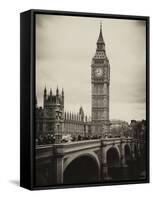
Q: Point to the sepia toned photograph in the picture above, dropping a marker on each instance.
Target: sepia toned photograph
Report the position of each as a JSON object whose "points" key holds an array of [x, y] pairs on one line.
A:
{"points": [[90, 100]]}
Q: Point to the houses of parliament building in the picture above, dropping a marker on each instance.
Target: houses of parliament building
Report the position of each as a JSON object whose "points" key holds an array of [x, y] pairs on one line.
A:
{"points": [[52, 118]]}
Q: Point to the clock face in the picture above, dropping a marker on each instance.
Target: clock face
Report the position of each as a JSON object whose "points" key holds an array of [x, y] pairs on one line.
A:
{"points": [[98, 72]]}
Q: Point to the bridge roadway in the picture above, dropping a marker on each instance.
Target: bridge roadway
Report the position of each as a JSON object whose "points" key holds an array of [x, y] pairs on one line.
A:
{"points": [[55, 160]]}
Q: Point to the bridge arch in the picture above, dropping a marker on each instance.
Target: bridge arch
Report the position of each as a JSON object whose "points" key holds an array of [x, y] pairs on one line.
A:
{"points": [[113, 162], [114, 149], [127, 152], [113, 155], [127, 144], [81, 168]]}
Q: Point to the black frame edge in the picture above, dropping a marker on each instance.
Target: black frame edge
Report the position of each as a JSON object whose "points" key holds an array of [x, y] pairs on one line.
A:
{"points": [[148, 98], [25, 119], [87, 14], [27, 80]]}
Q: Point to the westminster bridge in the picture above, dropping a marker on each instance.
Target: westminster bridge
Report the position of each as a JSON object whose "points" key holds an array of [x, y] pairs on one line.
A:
{"points": [[97, 160]]}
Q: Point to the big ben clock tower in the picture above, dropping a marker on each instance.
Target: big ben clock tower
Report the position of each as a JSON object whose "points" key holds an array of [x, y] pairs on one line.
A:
{"points": [[100, 80]]}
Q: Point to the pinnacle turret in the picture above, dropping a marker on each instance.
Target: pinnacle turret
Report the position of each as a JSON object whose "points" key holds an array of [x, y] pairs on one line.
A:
{"points": [[50, 92], [62, 92]]}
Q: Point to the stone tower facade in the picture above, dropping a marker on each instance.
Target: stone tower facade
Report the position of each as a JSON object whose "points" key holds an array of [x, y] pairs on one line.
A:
{"points": [[50, 118], [100, 81]]}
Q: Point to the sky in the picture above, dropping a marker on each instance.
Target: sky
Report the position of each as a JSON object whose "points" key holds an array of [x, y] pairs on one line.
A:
{"points": [[65, 46]]}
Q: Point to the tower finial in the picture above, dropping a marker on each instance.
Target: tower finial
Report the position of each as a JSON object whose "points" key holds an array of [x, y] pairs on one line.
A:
{"points": [[100, 38], [45, 90], [100, 25], [57, 91]]}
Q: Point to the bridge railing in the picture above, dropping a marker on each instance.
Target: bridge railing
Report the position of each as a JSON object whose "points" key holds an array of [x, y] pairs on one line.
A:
{"points": [[87, 141]]}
